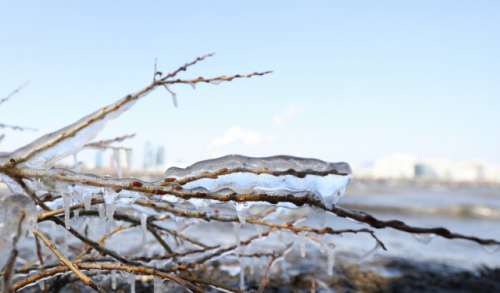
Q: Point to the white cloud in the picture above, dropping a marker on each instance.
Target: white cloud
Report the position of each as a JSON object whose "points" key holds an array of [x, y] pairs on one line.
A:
{"points": [[287, 115], [235, 133]]}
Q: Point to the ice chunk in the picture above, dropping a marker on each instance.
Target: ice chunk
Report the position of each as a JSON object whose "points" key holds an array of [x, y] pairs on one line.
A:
{"points": [[11, 210], [67, 204], [370, 253], [144, 227], [77, 214], [331, 259], [424, 237], [157, 282], [113, 279], [302, 243]]}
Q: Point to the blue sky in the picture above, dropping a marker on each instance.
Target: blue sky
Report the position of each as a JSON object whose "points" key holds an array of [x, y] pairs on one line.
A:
{"points": [[353, 80]]}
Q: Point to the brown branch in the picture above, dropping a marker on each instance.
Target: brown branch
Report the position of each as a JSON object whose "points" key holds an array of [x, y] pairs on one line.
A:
{"points": [[39, 253], [183, 68], [104, 143], [130, 269], [73, 267]]}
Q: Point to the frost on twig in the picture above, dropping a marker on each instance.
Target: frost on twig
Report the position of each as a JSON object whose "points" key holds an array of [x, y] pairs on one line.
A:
{"points": [[185, 197]]}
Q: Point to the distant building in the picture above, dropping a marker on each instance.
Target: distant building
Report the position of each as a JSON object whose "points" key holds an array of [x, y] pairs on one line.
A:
{"points": [[98, 159], [397, 166], [148, 155], [160, 156]]}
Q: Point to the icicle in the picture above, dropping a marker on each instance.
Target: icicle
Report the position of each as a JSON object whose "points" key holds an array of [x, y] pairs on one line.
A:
{"points": [[87, 200], [370, 253], [128, 156], [302, 243], [259, 230], [131, 281], [179, 223], [320, 215], [242, 274], [108, 228], [174, 98], [110, 211], [241, 210], [125, 274], [75, 160], [102, 211], [193, 84], [144, 227], [67, 203], [53, 231], [321, 243], [113, 279], [424, 237], [252, 265], [236, 227], [216, 81], [116, 158], [118, 243], [331, 259], [157, 282], [77, 214], [94, 228]]}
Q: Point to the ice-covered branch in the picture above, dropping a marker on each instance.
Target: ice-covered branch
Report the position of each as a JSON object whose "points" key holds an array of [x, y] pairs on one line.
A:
{"points": [[73, 267]]}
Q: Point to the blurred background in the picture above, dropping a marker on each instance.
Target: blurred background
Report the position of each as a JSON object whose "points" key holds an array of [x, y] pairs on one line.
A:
{"points": [[406, 92]]}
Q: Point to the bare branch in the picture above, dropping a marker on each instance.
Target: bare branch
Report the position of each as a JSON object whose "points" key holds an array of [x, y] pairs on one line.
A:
{"points": [[13, 92]]}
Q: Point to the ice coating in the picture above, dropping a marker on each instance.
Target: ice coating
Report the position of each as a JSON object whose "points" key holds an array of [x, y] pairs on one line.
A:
{"points": [[59, 149], [236, 227], [272, 175], [11, 209], [272, 164]]}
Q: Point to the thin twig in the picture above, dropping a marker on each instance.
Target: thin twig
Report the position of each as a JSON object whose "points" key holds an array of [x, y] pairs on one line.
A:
{"points": [[73, 267]]}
